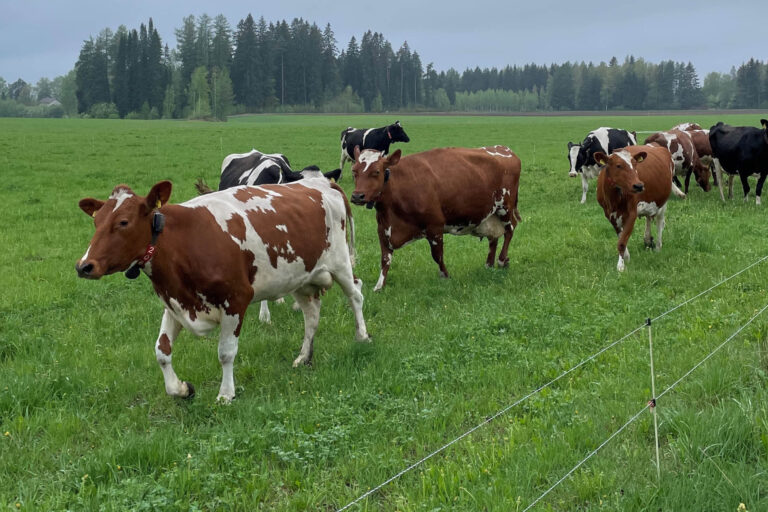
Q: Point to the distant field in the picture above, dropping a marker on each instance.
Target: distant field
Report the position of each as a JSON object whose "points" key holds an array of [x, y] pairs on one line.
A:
{"points": [[85, 423]]}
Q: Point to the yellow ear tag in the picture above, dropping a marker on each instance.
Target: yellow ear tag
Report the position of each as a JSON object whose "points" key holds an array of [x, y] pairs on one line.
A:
{"points": [[333, 180], [158, 204], [640, 159], [93, 215]]}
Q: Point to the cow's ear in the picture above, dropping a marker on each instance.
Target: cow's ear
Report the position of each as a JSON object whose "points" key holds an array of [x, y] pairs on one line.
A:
{"points": [[90, 206], [394, 158], [764, 122], [570, 145], [640, 156], [600, 158], [357, 153], [159, 195]]}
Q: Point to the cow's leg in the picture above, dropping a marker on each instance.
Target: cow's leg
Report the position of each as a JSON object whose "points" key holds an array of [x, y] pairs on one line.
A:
{"points": [[626, 231], [731, 178], [719, 177], [660, 222], [744, 184], [584, 188], [492, 244], [310, 306], [169, 329], [352, 286], [676, 190], [228, 338], [264, 315], [759, 189], [676, 181], [648, 238], [435, 239], [510, 220], [688, 178]]}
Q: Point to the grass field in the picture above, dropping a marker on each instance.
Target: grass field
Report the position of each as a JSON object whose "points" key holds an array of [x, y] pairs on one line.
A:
{"points": [[85, 423]]}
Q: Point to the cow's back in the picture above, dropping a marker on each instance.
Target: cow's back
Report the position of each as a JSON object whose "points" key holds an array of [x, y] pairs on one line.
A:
{"points": [[460, 182]]}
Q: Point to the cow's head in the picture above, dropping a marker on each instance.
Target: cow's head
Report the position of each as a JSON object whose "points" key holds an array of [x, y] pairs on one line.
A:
{"points": [[396, 133], [123, 229], [371, 173], [576, 157], [620, 170], [702, 174]]}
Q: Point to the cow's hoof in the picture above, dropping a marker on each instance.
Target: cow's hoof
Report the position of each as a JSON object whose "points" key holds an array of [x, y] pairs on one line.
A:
{"points": [[503, 263], [444, 275], [225, 399], [301, 360], [190, 390], [367, 339]]}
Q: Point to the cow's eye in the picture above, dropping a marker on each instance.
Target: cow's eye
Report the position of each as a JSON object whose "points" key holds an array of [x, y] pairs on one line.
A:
{"points": [[123, 223]]}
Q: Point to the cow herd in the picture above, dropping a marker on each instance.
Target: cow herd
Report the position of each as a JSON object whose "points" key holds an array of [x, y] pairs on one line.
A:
{"points": [[269, 231]]}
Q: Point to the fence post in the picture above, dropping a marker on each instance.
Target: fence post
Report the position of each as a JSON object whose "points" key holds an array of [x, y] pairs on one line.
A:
{"points": [[652, 402]]}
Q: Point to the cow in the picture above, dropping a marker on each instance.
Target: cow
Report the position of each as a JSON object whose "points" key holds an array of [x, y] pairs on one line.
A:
{"points": [[687, 127], [581, 156], [378, 139], [210, 257], [257, 168], [460, 191], [741, 150], [684, 155], [635, 181]]}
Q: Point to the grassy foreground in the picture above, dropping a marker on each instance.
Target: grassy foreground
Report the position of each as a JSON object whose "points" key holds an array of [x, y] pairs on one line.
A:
{"points": [[85, 423]]}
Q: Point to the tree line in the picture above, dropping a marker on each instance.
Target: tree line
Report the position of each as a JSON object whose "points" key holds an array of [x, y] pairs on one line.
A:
{"points": [[216, 70]]}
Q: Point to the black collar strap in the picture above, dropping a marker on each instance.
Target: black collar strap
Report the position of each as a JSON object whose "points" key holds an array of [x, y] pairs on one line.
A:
{"points": [[158, 222]]}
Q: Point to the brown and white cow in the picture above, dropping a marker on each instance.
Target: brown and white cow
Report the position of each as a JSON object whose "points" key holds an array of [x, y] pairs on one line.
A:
{"points": [[460, 191], [212, 256], [635, 181], [684, 155]]}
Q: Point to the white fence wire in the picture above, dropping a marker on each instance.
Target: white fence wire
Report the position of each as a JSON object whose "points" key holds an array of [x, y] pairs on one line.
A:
{"points": [[503, 411]]}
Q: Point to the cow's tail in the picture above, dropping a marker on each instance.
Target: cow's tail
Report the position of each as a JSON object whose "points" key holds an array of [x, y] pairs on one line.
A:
{"points": [[202, 187], [350, 223], [516, 212]]}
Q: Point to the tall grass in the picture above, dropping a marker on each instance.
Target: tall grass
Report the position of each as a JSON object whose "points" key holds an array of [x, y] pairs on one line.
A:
{"points": [[86, 424]]}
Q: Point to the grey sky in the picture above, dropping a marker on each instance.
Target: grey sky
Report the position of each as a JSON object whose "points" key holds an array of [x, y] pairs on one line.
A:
{"points": [[43, 38]]}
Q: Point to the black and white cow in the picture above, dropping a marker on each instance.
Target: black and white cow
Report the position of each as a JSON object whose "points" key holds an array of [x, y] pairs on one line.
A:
{"points": [[377, 139], [741, 150], [257, 168], [582, 156]]}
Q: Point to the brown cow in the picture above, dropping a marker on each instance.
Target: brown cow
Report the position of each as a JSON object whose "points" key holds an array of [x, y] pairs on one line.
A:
{"points": [[210, 257], [684, 155], [460, 191], [636, 181]]}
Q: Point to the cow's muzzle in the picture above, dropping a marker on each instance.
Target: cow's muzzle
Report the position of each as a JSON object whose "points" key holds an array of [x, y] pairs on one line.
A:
{"points": [[85, 270], [638, 187], [357, 198]]}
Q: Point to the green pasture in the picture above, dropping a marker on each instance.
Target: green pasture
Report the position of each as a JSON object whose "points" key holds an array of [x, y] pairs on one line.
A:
{"points": [[85, 423]]}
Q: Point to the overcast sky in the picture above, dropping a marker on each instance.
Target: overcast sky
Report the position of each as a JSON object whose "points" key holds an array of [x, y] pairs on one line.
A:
{"points": [[43, 38]]}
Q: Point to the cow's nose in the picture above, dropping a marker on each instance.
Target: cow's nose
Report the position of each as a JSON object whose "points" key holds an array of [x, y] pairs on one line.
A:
{"points": [[638, 187], [84, 270], [357, 198]]}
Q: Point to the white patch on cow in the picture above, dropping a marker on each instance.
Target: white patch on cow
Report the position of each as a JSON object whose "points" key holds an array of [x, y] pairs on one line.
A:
{"points": [[573, 155], [618, 220], [85, 256], [601, 134], [366, 134], [228, 159], [647, 209], [120, 195], [204, 321], [282, 227], [388, 232], [626, 156], [252, 175], [148, 268], [494, 152], [370, 156], [620, 265], [590, 171]]}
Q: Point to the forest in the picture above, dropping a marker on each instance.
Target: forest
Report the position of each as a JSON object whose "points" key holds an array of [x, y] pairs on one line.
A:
{"points": [[215, 70]]}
